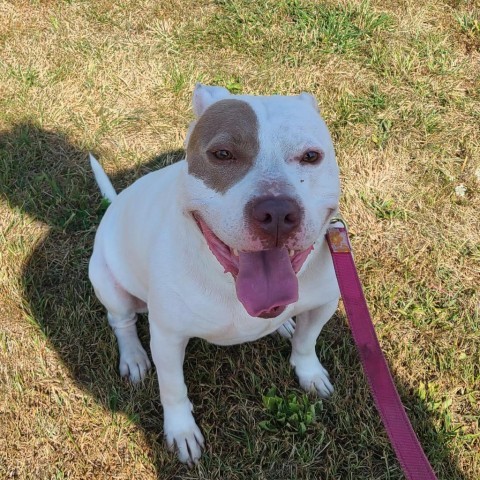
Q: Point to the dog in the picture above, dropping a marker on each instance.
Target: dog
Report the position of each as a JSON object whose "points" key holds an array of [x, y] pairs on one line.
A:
{"points": [[226, 245]]}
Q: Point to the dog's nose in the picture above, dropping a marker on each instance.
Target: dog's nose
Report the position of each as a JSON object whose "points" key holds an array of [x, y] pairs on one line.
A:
{"points": [[276, 216]]}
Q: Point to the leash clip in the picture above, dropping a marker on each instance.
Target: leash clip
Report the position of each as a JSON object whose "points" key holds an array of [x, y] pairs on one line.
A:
{"points": [[338, 219]]}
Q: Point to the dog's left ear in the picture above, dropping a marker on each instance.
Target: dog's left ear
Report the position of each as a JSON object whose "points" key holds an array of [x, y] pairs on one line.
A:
{"points": [[310, 99], [205, 95]]}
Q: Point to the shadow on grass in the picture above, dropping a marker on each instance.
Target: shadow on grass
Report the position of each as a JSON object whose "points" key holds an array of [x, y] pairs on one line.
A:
{"points": [[47, 177]]}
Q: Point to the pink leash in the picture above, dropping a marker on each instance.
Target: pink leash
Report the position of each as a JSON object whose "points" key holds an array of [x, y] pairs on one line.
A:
{"points": [[405, 443]]}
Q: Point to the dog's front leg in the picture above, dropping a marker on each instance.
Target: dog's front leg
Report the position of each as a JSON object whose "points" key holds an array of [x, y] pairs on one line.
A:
{"points": [[310, 372], [179, 427]]}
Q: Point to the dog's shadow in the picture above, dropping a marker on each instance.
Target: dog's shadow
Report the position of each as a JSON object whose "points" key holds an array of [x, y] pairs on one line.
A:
{"points": [[48, 178]]}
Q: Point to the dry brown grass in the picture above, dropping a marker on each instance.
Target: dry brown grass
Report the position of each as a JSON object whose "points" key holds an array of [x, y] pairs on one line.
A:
{"points": [[398, 83]]}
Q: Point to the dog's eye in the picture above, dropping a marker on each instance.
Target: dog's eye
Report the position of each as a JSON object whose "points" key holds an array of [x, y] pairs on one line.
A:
{"points": [[311, 157], [223, 154]]}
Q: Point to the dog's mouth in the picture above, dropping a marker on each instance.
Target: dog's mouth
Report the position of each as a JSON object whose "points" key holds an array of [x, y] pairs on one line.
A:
{"points": [[265, 280]]}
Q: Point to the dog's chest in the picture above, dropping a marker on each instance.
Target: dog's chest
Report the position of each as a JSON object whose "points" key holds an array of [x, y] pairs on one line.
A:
{"points": [[243, 328]]}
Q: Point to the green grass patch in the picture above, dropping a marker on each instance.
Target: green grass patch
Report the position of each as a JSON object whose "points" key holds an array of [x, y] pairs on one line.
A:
{"points": [[291, 30], [293, 413]]}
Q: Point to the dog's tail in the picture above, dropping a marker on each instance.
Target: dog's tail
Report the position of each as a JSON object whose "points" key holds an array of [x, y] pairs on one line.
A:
{"points": [[103, 181]]}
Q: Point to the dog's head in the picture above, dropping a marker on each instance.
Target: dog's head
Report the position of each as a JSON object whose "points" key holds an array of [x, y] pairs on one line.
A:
{"points": [[262, 185]]}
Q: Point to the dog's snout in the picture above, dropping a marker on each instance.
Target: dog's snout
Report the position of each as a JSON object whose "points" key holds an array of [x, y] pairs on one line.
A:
{"points": [[276, 216]]}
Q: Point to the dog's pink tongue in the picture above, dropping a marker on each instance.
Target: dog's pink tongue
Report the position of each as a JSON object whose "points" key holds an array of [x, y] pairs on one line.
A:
{"points": [[266, 280]]}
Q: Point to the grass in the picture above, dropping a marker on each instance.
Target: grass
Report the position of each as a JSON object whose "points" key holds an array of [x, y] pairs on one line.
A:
{"points": [[398, 84]]}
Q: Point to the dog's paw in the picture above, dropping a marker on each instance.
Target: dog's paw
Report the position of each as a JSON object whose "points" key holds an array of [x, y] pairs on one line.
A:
{"points": [[312, 376], [183, 435], [134, 363], [287, 329]]}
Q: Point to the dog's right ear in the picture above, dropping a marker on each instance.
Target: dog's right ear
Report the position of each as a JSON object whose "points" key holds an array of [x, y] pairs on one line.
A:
{"points": [[205, 95], [309, 98]]}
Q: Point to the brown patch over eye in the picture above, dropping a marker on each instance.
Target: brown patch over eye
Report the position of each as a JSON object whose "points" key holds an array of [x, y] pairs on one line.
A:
{"points": [[228, 130]]}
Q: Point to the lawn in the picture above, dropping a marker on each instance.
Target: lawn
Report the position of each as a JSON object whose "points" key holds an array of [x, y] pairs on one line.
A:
{"points": [[397, 82]]}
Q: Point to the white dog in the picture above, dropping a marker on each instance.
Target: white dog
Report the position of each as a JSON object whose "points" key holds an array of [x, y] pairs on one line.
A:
{"points": [[226, 245]]}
